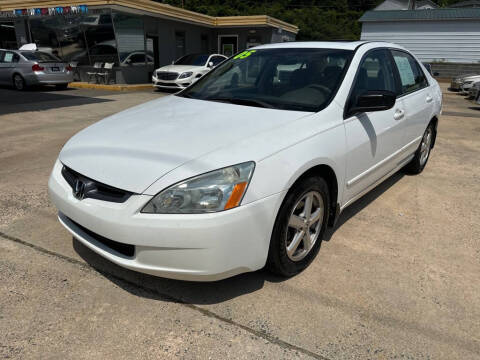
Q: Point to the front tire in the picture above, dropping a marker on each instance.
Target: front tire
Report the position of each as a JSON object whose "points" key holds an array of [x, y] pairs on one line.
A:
{"points": [[422, 154], [299, 227], [19, 82]]}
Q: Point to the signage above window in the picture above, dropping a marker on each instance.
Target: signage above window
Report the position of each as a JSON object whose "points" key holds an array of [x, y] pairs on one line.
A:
{"points": [[57, 10]]}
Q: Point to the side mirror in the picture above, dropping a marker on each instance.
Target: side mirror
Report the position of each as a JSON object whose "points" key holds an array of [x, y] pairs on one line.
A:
{"points": [[372, 100], [210, 64]]}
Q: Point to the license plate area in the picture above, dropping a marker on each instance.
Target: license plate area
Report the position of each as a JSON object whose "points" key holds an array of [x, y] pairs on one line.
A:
{"points": [[55, 69]]}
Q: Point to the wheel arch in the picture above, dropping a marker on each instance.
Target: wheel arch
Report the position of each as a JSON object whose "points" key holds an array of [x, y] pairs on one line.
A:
{"points": [[328, 173], [434, 121], [19, 74]]}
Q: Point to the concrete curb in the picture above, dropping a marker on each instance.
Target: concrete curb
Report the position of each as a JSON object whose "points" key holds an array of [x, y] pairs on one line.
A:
{"points": [[113, 87]]}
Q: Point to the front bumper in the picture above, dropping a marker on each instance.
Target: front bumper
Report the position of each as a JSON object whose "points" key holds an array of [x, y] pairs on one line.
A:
{"points": [[465, 88], [455, 85], [472, 93], [178, 84], [199, 247]]}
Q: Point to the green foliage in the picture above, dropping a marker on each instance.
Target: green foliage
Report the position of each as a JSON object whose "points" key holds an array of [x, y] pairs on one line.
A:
{"points": [[317, 19]]}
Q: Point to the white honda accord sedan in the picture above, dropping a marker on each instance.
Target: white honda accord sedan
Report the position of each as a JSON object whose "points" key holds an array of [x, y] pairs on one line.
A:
{"points": [[248, 166]]}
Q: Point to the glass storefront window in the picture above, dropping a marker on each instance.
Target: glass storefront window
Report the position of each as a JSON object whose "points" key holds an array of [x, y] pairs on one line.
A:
{"points": [[100, 38], [8, 38], [48, 32], [79, 39], [131, 40], [72, 40]]}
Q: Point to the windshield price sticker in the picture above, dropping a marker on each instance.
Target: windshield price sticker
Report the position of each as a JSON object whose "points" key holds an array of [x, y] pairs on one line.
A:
{"points": [[244, 54]]}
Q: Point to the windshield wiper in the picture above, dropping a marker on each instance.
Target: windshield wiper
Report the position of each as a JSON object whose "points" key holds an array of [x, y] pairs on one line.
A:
{"points": [[240, 101]]}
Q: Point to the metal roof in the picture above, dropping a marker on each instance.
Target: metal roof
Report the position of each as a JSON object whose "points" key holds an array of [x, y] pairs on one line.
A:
{"points": [[152, 7], [421, 15]]}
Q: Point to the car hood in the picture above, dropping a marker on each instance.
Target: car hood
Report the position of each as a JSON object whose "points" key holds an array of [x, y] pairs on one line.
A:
{"points": [[134, 148], [179, 68], [471, 78]]}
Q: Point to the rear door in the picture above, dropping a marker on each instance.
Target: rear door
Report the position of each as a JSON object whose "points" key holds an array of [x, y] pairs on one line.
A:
{"points": [[374, 138], [416, 95], [8, 60]]}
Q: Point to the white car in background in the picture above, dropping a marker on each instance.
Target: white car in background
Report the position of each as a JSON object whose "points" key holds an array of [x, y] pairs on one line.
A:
{"points": [[463, 83], [185, 71], [474, 90], [246, 167]]}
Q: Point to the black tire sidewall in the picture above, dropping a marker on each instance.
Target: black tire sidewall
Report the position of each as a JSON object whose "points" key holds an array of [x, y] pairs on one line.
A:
{"points": [[15, 83], [278, 260], [415, 166]]}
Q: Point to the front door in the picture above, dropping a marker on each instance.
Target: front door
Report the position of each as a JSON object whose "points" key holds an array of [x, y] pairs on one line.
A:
{"points": [[373, 138], [228, 45]]}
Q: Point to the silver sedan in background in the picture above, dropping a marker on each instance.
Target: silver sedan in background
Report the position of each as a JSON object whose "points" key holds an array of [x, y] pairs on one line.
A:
{"points": [[22, 68]]}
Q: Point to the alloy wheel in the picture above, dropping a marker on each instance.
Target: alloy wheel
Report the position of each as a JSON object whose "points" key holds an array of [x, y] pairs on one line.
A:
{"points": [[304, 225]]}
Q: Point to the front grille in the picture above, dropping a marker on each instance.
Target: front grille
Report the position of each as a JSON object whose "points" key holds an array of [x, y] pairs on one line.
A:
{"points": [[165, 75], [84, 187], [172, 85], [121, 248]]}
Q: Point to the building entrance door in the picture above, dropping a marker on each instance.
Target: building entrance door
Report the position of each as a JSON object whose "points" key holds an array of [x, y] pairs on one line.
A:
{"points": [[8, 38], [152, 50], [227, 44]]}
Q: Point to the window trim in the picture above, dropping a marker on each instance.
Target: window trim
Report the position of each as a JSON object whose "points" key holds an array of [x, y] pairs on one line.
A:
{"points": [[5, 52], [397, 72]]}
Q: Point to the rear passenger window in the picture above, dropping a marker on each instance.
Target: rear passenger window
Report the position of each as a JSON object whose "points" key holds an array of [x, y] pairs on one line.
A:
{"points": [[412, 77], [375, 73]]}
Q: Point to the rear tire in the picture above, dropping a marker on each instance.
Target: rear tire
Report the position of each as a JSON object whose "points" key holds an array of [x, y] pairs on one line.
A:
{"points": [[422, 154], [19, 83], [299, 227]]}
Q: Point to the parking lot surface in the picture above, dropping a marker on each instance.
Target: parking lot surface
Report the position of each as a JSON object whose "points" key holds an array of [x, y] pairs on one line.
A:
{"points": [[397, 279]]}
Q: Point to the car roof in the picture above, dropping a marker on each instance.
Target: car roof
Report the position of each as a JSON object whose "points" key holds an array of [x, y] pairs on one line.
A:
{"points": [[342, 45]]}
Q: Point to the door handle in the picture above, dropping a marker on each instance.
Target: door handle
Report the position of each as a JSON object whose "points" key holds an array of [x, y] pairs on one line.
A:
{"points": [[429, 99], [399, 114]]}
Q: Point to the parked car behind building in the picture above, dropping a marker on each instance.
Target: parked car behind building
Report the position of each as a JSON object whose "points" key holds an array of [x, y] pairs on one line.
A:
{"points": [[464, 82], [474, 90]]}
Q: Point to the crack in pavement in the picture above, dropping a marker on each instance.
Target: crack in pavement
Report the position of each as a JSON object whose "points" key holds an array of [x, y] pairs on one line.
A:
{"points": [[272, 339]]}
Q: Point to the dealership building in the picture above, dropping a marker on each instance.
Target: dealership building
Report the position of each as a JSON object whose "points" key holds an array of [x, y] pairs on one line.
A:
{"points": [[136, 35]]}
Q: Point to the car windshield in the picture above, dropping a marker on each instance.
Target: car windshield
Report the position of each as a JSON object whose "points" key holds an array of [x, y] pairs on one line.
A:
{"points": [[192, 59], [39, 56], [299, 79]]}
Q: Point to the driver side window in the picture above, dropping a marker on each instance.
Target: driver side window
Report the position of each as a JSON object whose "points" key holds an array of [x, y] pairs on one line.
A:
{"points": [[375, 73]]}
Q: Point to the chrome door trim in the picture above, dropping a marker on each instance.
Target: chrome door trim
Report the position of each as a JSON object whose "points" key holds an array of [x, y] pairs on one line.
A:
{"points": [[401, 164]]}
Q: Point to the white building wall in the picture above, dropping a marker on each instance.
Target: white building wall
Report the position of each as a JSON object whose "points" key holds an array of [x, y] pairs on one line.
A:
{"points": [[455, 41]]}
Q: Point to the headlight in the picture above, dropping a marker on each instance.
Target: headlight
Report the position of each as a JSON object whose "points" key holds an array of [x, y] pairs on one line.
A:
{"points": [[217, 190], [468, 82], [185, 75]]}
